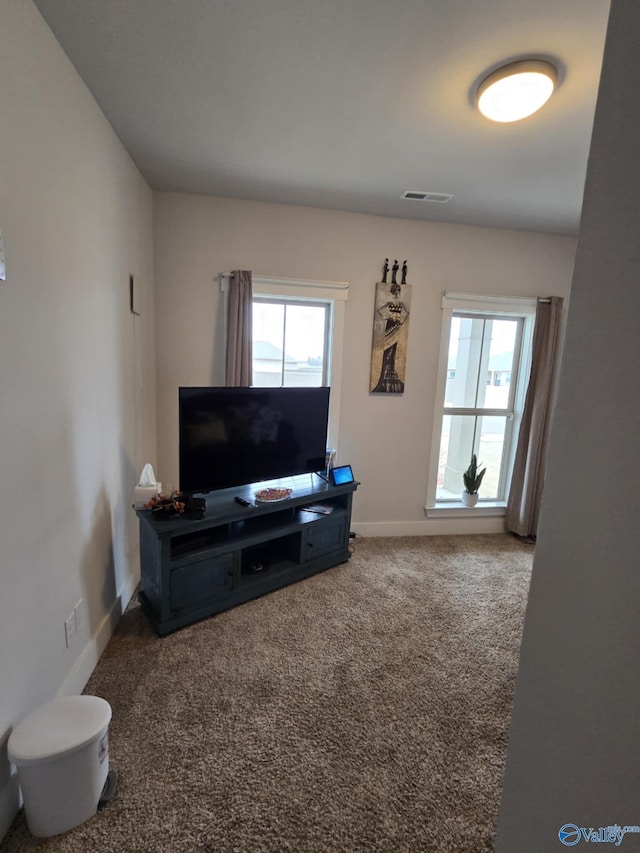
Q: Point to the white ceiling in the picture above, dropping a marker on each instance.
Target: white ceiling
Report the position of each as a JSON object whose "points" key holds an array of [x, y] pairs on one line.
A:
{"points": [[344, 103]]}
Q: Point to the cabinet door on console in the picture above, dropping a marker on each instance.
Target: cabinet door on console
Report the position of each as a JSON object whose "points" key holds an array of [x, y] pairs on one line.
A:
{"points": [[325, 538], [196, 583]]}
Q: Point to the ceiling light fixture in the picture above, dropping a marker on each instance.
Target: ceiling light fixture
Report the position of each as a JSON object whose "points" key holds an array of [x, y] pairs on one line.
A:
{"points": [[516, 90]]}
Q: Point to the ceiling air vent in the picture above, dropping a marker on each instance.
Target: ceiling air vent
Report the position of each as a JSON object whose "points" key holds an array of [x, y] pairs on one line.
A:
{"points": [[418, 195]]}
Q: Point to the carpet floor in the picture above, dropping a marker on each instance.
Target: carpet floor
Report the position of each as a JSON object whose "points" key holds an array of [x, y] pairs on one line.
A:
{"points": [[363, 710]]}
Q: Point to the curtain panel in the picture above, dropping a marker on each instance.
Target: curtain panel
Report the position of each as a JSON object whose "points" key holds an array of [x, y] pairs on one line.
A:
{"points": [[239, 331], [527, 481]]}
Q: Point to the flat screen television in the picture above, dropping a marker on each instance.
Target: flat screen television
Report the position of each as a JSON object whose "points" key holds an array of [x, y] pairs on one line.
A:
{"points": [[234, 436]]}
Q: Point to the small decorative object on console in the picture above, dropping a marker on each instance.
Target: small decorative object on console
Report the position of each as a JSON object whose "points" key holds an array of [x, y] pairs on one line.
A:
{"points": [[342, 474], [158, 498], [272, 494], [164, 508], [147, 489]]}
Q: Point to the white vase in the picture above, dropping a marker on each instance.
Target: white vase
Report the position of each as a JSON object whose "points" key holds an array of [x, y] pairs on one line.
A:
{"points": [[469, 500]]}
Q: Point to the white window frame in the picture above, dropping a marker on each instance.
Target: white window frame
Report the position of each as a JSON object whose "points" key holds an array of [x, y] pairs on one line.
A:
{"points": [[334, 294], [474, 305]]}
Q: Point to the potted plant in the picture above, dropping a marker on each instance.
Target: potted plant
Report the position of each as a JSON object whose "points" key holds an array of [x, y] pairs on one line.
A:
{"points": [[472, 479]]}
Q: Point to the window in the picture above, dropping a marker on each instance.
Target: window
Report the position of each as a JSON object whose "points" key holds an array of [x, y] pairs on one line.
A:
{"points": [[297, 337], [290, 342], [485, 361]]}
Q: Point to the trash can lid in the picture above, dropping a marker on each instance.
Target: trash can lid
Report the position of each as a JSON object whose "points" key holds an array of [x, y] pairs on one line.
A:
{"points": [[57, 728]]}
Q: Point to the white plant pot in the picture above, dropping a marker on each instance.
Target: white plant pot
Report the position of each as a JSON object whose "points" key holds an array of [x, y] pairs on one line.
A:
{"points": [[469, 500]]}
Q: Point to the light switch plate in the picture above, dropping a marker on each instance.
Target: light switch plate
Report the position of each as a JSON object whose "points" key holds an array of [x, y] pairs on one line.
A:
{"points": [[3, 272]]}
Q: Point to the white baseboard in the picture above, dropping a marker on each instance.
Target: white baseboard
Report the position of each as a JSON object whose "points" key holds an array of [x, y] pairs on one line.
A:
{"points": [[87, 660], [430, 527]]}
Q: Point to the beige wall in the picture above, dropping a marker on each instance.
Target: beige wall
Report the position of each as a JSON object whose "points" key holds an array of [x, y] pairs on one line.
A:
{"points": [[77, 397], [385, 437], [573, 745]]}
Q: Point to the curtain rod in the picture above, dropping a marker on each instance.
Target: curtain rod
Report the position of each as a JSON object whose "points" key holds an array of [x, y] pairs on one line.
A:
{"points": [[485, 297], [301, 282]]}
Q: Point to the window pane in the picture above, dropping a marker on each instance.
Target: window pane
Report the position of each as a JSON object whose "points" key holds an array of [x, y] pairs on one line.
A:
{"points": [[465, 350], [268, 339], [304, 345], [461, 435], [490, 443], [501, 354], [481, 355], [289, 343]]}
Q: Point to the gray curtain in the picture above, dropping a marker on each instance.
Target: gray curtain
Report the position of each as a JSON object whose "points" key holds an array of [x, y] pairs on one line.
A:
{"points": [[239, 336], [527, 483]]}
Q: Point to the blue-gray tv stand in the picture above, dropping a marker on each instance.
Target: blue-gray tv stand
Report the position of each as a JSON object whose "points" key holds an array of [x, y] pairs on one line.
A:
{"points": [[192, 569]]}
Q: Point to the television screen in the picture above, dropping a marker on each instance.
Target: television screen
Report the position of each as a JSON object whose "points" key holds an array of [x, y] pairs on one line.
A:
{"points": [[234, 436]]}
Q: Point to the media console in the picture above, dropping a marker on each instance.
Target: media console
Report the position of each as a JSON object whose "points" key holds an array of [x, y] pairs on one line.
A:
{"points": [[191, 569]]}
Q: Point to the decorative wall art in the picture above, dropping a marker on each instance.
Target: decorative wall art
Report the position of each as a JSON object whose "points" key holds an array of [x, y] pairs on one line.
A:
{"points": [[390, 332]]}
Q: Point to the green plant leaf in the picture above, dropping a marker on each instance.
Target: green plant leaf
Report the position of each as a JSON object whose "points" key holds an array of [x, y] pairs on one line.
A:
{"points": [[472, 478]]}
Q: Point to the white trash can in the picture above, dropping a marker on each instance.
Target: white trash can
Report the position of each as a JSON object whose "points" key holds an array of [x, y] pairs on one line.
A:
{"points": [[61, 751]]}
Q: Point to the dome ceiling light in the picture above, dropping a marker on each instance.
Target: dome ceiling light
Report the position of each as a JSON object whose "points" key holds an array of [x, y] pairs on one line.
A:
{"points": [[516, 90]]}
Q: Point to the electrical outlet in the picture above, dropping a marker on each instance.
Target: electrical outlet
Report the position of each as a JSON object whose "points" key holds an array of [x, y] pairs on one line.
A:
{"points": [[3, 273], [70, 629], [79, 614]]}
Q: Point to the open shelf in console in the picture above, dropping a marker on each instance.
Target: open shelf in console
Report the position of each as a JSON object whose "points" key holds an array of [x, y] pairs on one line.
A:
{"points": [[187, 544], [275, 556], [254, 524]]}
